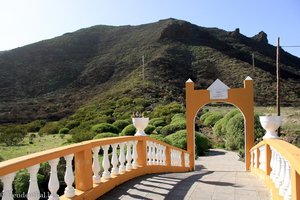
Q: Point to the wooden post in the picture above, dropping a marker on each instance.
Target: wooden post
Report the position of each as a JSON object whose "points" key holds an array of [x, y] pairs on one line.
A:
{"points": [[278, 81]]}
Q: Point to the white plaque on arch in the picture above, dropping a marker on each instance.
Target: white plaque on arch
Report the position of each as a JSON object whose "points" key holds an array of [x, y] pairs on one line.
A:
{"points": [[218, 90]]}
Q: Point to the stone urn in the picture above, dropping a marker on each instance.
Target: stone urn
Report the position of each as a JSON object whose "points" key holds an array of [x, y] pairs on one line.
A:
{"points": [[270, 124], [140, 123]]}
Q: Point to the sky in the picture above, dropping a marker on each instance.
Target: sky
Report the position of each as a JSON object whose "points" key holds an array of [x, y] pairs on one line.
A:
{"points": [[24, 22]]}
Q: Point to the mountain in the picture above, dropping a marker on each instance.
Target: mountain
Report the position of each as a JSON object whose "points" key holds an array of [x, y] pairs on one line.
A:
{"points": [[51, 79]]}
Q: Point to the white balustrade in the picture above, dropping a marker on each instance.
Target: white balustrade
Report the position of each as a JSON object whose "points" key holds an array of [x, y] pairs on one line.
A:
{"points": [[262, 158], [122, 167], [7, 181], [254, 158], [53, 183], [175, 157], [152, 153], [105, 162], [96, 166], [164, 155], [134, 155], [114, 160], [33, 190], [69, 177], [186, 160], [287, 179], [128, 156]]}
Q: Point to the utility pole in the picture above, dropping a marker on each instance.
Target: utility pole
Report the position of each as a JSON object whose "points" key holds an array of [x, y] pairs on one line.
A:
{"points": [[253, 65], [278, 80], [143, 60]]}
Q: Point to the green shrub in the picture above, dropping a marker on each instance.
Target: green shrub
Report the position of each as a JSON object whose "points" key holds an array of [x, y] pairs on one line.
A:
{"points": [[83, 136], [105, 135], [178, 139], [12, 135], [157, 130], [50, 128], [64, 130], [211, 119], [205, 115], [258, 129], [165, 110], [141, 102], [35, 126], [1, 158], [202, 144], [121, 124], [234, 138], [157, 122], [172, 128], [149, 129], [31, 137], [227, 117], [105, 127], [217, 129], [72, 124], [128, 130]]}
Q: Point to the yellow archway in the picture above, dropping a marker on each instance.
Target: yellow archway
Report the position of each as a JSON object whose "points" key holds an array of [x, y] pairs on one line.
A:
{"points": [[243, 98]]}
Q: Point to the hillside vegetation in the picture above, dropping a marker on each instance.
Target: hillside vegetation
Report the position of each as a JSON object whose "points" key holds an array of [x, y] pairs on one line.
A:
{"points": [[85, 73]]}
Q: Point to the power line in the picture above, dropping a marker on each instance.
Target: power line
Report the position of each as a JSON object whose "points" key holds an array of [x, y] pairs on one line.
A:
{"points": [[291, 46]]}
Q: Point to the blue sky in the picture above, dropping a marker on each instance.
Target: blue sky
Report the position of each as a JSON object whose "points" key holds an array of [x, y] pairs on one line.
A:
{"points": [[28, 21]]}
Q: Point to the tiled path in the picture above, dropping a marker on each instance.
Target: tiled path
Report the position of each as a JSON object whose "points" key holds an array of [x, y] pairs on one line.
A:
{"points": [[219, 176]]}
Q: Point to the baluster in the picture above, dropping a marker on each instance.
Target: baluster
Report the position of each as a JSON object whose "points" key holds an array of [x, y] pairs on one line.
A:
{"points": [[280, 171], [7, 186], [254, 159], [69, 177], [122, 167], [179, 158], [105, 162], [160, 154], [262, 158], [288, 194], [114, 160], [96, 166], [287, 178], [53, 184], [134, 154], [156, 154], [150, 153], [172, 157], [33, 190], [128, 156], [153, 153], [275, 164]]}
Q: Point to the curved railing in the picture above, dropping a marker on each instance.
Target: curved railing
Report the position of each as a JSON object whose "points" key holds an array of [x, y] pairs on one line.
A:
{"points": [[277, 163], [131, 156]]}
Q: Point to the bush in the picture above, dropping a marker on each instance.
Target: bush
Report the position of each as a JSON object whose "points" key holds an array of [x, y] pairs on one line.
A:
{"points": [[128, 130], [205, 115], [211, 119], [157, 122], [234, 138], [105, 135], [64, 130], [157, 130], [202, 144], [105, 127], [172, 128], [12, 135], [31, 137], [83, 136], [178, 139], [149, 129], [50, 128], [165, 110], [35, 126], [121, 124], [72, 124]]}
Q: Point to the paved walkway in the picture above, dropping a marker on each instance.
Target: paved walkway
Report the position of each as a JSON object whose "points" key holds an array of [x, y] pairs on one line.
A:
{"points": [[219, 176]]}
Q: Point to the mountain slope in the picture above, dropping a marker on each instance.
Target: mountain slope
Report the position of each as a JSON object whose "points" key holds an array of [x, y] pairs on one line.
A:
{"points": [[52, 78]]}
